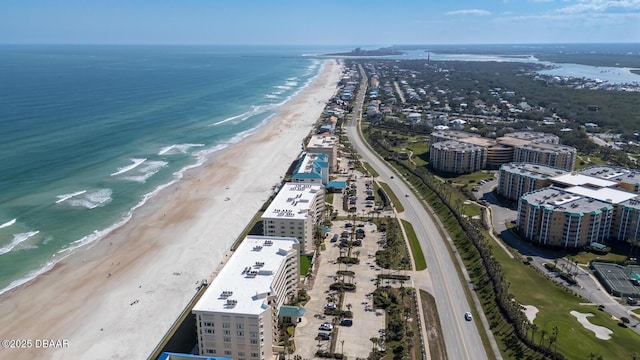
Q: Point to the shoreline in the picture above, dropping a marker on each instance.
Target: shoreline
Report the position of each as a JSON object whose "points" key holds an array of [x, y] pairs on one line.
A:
{"points": [[117, 297]]}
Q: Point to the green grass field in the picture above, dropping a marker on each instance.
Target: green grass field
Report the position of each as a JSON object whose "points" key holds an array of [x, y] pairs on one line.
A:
{"points": [[555, 304], [418, 257]]}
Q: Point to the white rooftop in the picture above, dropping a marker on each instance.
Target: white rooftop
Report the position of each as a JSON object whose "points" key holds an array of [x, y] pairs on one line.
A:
{"points": [[293, 201], [579, 179], [322, 141], [244, 283], [603, 194]]}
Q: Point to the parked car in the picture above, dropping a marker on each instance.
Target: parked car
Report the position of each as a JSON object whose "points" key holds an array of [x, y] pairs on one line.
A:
{"points": [[468, 316], [330, 306], [346, 322], [326, 326], [324, 336]]}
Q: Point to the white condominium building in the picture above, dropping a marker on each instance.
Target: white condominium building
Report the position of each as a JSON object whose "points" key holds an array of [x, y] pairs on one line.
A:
{"points": [[295, 211], [238, 314], [325, 145]]}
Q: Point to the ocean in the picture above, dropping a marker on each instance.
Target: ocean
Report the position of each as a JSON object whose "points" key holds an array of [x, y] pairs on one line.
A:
{"points": [[90, 133]]}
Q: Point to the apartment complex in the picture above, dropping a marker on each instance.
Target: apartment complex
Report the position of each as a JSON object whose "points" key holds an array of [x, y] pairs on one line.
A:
{"points": [[578, 208], [517, 179], [526, 146], [312, 168], [295, 212], [237, 316], [457, 157], [325, 145]]}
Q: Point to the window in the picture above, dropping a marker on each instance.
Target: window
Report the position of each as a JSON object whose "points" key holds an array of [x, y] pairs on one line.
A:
{"points": [[227, 352], [226, 332], [240, 333], [254, 341], [209, 331], [208, 324], [253, 334], [254, 355], [240, 353], [226, 339], [211, 351], [226, 325], [240, 326]]}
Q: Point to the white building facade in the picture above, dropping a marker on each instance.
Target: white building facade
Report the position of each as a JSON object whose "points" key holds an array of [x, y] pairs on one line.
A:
{"points": [[237, 315], [296, 211]]}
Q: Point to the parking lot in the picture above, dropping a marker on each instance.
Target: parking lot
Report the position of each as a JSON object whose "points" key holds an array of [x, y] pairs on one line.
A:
{"points": [[353, 340]]}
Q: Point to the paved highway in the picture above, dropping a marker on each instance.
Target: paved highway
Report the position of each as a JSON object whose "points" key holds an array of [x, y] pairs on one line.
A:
{"points": [[461, 337]]}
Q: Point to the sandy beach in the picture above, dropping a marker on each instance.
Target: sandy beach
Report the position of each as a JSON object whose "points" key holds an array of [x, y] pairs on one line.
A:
{"points": [[117, 298]]}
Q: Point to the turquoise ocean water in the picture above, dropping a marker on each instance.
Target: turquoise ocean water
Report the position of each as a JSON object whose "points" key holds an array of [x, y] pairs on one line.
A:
{"points": [[89, 133]]}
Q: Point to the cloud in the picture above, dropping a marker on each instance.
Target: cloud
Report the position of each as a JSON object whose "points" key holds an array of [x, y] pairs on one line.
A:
{"points": [[469, 12], [585, 6]]}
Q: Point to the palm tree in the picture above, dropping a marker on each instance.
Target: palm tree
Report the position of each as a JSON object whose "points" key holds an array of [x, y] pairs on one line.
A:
{"points": [[543, 332]]}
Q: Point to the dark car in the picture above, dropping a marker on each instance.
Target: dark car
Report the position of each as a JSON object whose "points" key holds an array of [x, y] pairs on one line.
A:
{"points": [[346, 322], [324, 336]]}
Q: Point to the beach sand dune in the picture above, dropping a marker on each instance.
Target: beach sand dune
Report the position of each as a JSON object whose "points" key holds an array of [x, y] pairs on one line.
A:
{"points": [[116, 299]]}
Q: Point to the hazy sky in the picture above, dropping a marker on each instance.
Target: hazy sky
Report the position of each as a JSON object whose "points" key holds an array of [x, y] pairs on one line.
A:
{"points": [[326, 22]]}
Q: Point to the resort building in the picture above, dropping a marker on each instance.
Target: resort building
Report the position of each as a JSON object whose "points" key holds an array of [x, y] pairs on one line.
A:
{"points": [[457, 157], [564, 218], [325, 145], [560, 156], [296, 211], [626, 179], [237, 316], [312, 168], [526, 146], [516, 179]]}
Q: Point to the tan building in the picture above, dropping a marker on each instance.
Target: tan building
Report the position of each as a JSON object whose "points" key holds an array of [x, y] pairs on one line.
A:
{"points": [[457, 157], [516, 179], [559, 218], [526, 146], [237, 316]]}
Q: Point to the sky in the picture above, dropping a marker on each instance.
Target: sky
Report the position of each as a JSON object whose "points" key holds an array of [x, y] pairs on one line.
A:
{"points": [[311, 22]]}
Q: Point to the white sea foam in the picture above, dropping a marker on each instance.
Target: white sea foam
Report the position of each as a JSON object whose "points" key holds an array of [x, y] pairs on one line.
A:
{"points": [[92, 199], [30, 276], [271, 96], [291, 83], [283, 87], [64, 197], [177, 149], [8, 223], [148, 170], [17, 240], [136, 163]]}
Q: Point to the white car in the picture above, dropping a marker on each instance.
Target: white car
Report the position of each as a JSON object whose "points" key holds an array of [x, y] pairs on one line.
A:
{"points": [[468, 316], [326, 326], [330, 306]]}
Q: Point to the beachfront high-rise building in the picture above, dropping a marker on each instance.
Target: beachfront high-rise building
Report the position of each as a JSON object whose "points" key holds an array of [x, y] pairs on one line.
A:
{"points": [[237, 316], [312, 168], [295, 211], [325, 145]]}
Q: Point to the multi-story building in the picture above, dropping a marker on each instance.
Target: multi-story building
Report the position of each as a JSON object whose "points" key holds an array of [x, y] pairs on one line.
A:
{"points": [[457, 157], [560, 156], [516, 179], [564, 218], [296, 211], [325, 145], [526, 146], [627, 179], [312, 168], [237, 316]]}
